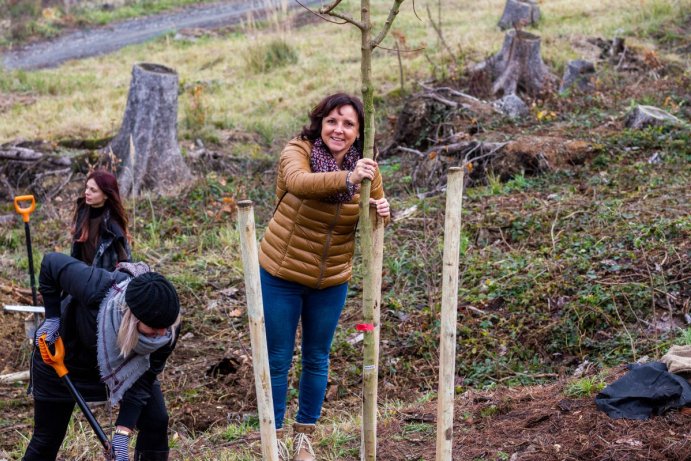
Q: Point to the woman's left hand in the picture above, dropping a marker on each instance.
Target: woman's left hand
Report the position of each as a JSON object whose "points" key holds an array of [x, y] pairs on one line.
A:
{"points": [[382, 205]]}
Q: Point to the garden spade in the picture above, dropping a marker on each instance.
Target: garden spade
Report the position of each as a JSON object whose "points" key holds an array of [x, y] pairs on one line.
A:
{"points": [[57, 361], [26, 213]]}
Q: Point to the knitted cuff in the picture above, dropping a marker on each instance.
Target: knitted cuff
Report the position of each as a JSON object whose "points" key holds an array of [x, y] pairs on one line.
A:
{"points": [[120, 447], [133, 269]]}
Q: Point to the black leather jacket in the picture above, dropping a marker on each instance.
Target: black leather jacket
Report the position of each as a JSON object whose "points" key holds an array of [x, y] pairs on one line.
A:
{"points": [[111, 233]]}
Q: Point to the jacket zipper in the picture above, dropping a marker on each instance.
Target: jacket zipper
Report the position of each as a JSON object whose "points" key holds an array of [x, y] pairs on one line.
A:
{"points": [[327, 244]]}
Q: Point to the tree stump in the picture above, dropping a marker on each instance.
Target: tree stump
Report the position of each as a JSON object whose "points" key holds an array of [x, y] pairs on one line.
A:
{"points": [[518, 66], [512, 106], [641, 117], [149, 125], [580, 73], [519, 13]]}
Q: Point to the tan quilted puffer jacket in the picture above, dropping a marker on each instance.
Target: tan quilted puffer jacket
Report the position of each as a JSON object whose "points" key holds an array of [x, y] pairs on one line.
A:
{"points": [[310, 241]]}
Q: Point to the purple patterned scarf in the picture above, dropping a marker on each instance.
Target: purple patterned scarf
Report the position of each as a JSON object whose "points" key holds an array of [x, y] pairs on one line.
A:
{"points": [[321, 161]]}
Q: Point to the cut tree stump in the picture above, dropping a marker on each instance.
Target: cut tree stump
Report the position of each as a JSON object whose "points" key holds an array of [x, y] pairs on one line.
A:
{"points": [[512, 106], [578, 72], [518, 66], [644, 116], [150, 122], [519, 13]]}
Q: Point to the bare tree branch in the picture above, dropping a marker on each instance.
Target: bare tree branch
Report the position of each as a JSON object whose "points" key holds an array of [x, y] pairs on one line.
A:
{"points": [[317, 14], [411, 151], [452, 91], [437, 29], [444, 101], [327, 9], [395, 8], [347, 18], [399, 50], [415, 12]]}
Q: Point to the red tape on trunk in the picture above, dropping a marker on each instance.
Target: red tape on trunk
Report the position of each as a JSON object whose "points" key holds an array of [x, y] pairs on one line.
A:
{"points": [[364, 327]]}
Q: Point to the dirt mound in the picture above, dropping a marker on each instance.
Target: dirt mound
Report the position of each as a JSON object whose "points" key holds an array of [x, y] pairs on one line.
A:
{"points": [[537, 423]]}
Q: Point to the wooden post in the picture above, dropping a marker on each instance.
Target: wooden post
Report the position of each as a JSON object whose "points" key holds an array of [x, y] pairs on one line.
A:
{"points": [[449, 306], [255, 313], [371, 313]]}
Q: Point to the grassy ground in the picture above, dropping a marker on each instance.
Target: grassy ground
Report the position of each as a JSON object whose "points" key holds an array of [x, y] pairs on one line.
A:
{"points": [[87, 98], [589, 263]]}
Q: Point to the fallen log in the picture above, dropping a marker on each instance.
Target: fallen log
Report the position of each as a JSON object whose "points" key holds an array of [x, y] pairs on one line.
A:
{"points": [[527, 154], [14, 377], [20, 153]]}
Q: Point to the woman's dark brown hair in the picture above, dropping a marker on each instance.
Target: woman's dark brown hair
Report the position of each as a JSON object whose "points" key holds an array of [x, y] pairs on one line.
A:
{"points": [[324, 108], [108, 184]]}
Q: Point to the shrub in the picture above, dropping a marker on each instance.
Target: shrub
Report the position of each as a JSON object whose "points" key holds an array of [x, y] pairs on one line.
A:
{"points": [[266, 57]]}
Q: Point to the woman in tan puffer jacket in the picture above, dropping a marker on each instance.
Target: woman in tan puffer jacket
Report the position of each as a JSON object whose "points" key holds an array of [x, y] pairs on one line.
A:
{"points": [[307, 250]]}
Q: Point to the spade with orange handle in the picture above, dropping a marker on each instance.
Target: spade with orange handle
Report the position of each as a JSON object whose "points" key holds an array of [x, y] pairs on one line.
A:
{"points": [[26, 213], [56, 360]]}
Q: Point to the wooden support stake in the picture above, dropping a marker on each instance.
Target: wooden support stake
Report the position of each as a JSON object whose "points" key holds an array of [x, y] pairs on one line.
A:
{"points": [[449, 307], [371, 314], [255, 313]]}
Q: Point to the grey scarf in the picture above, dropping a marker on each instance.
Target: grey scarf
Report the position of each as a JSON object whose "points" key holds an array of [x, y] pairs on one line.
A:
{"points": [[117, 372]]}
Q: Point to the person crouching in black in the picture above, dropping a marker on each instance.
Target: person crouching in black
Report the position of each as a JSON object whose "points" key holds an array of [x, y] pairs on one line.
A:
{"points": [[118, 334]]}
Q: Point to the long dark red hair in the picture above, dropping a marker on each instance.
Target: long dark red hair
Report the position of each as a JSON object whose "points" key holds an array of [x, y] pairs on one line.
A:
{"points": [[108, 184]]}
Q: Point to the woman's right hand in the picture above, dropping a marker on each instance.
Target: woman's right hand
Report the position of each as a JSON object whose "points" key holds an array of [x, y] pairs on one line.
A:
{"points": [[364, 169], [51, 328]]}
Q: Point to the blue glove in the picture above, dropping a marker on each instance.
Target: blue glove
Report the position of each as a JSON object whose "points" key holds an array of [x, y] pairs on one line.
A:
{"points": [[120, 445], [51, 328]]}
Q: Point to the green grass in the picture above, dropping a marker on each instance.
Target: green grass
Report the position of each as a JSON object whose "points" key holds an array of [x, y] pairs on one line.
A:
{"points": [[585, 387], [565, 264], [684, 337], [274, 103]]}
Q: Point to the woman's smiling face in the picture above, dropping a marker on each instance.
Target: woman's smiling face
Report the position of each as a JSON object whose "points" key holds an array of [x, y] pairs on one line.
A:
{"points": [[340, 129]]}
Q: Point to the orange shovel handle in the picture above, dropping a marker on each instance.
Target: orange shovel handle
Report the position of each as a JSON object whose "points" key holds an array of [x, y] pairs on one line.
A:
{"points": [[25, 212], [55, 360]]}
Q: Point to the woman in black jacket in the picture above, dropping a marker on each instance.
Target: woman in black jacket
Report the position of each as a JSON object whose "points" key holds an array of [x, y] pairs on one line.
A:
{"points": [[118, 333], [99, 224]]}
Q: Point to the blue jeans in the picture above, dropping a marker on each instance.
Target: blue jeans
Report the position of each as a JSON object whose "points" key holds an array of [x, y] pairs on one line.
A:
{"points": [[286, 304]]}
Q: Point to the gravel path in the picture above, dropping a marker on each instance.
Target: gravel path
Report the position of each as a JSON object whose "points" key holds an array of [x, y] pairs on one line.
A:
{"points": [[106, 39]]}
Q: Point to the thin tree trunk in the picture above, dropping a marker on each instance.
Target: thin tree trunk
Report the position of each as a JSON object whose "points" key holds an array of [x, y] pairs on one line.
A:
{"points": [[371, 317]]}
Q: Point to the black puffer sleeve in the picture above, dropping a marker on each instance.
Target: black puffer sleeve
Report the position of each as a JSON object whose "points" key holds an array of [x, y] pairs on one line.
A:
{"points": [[86, 284]]}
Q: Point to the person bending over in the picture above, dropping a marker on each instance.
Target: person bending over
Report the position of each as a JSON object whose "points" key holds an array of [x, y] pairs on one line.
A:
{"points": [[118, 332]]}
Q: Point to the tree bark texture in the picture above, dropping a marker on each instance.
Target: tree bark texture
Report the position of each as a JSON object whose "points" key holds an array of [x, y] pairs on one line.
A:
{"points": [[518, 66], [641, 117], [519, 13], [147, 143], [580, 73], [529, 155]]}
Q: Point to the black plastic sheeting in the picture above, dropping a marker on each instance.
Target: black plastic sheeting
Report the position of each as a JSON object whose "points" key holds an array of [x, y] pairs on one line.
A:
{"points": [[646, 390]]}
